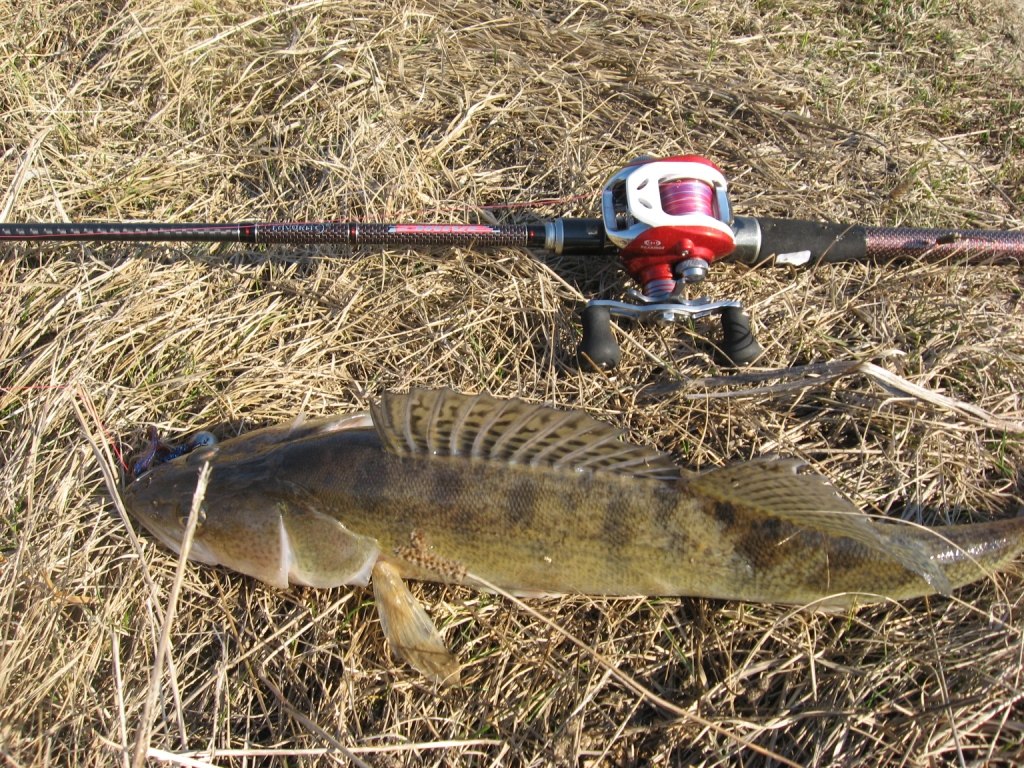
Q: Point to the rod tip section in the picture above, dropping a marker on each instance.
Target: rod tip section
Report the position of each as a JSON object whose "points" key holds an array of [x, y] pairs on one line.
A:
{"points": [[598, 351]]}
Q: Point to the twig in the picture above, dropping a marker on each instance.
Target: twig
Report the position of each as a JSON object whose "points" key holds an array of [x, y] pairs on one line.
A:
{"points": [[145, 720], [809, 376]]}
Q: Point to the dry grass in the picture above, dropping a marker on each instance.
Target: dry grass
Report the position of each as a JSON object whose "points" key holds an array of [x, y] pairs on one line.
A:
{"points": [[873, 112]]}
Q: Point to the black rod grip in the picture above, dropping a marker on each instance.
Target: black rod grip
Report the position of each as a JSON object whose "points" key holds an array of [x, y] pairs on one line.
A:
{"points": [[582, 237], [805, 243], [598, 350]]}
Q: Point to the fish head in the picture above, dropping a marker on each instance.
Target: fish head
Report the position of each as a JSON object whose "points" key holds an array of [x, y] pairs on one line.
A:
{"points": [[249, 518], [162, 500]]}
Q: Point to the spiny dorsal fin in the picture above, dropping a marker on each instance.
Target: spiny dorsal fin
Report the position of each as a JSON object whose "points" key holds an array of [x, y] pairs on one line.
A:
{"points": [[442, 422], [807, 500]]}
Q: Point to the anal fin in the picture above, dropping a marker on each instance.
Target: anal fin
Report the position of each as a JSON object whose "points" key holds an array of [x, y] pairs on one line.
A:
{"points": [[408, 628]]}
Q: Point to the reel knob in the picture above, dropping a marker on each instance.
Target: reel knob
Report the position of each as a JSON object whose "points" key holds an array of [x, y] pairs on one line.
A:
{"points": [[738, 343], [692, 270], [598, 351]]}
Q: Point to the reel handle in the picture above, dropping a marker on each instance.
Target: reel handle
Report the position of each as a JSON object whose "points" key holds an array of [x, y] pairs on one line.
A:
{"points": [[598, 350], [738, 343]]}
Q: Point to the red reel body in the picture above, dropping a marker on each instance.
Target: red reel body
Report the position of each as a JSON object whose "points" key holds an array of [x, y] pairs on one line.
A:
{"points": [[663, 213]]}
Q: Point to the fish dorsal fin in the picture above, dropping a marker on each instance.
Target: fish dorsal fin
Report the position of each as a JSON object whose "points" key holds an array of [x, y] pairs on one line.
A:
{"points": [[807, 500], [442, 422]]}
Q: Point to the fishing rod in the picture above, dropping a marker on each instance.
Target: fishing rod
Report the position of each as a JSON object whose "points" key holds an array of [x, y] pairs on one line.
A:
{"points": [[669, 219]]}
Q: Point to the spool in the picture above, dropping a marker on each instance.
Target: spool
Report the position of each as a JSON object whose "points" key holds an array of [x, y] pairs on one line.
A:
{"points": [[685, 197]]}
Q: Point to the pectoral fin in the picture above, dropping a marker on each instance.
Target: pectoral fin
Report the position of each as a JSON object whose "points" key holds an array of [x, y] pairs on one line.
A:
{"points": [[409, 630], [319, 551], [807, 500]]}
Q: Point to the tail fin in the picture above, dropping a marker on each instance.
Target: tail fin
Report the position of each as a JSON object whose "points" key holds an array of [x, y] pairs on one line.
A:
{"points": [[968, 553]]}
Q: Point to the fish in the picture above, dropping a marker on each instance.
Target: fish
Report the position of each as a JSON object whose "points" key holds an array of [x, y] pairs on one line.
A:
{"points": [[441, 486]]}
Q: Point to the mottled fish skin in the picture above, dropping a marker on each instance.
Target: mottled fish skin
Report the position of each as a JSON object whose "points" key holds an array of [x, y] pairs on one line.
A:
{"points": [[447, 487]]}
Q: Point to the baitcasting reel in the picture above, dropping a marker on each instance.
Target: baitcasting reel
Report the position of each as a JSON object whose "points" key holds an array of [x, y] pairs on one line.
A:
{"points": [[670, 220]]}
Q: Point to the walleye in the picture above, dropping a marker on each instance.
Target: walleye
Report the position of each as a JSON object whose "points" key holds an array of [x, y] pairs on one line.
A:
{"points": [[441, 486]]}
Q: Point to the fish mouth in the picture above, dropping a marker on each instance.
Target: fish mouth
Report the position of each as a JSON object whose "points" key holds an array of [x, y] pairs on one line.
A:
{"points": [[198, 549]]}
